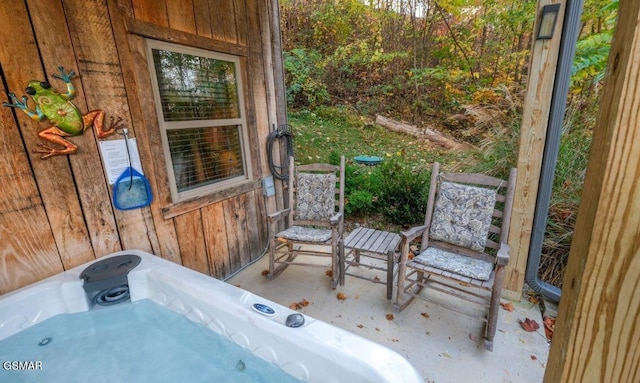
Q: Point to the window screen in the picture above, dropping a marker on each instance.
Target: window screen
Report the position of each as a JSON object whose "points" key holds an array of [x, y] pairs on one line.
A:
{"points": [[201, 118]]}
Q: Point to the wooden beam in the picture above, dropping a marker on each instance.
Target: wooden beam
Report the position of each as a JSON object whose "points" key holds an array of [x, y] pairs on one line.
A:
{"points": [[153, 31], [533, 132], [598, 327]]}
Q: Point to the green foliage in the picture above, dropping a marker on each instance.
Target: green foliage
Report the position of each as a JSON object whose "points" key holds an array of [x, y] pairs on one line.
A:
{"points": [[403, 193], [304, 88], [391, 188], [592, 49]]}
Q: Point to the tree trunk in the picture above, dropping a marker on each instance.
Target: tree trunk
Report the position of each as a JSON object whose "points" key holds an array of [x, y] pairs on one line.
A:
{"points": [[433, 136]]}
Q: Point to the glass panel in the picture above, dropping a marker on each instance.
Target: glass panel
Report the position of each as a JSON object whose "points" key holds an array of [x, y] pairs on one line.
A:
{"points": [[196, 88], [202, 156]]}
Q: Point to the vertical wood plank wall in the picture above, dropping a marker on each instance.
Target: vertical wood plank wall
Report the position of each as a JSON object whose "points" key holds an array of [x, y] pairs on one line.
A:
{"points": [[58, 213], [598, 326]]}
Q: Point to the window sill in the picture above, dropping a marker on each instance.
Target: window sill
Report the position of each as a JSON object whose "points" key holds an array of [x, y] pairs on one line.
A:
{"points": [[179, 208]]}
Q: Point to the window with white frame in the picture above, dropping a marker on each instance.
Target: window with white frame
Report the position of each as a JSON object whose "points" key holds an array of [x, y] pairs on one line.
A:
{"points": [[201, 114]]}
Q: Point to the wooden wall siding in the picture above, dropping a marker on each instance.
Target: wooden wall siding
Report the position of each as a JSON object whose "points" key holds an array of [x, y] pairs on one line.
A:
{"points": [[57, 214]]}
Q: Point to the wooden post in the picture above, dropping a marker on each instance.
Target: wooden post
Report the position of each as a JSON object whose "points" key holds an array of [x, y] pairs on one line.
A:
{"points": [[533, 132], [598, 327]]}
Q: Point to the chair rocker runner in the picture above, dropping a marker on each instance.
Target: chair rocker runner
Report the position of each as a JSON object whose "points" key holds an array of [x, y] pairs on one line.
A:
{"points": [[463, 251], [315, 217]]}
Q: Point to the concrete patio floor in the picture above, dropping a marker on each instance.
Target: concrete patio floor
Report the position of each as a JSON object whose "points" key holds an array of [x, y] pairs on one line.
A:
{"points": [[444, 346]]}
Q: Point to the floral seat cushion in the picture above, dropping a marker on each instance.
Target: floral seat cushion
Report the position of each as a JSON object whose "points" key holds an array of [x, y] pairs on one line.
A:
{"points": [[305, 234], [316, 196], [458, 264], [462, 215]]}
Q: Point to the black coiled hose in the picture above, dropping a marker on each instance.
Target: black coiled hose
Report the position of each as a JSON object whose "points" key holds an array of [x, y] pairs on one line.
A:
{"points": [[282, 132]]}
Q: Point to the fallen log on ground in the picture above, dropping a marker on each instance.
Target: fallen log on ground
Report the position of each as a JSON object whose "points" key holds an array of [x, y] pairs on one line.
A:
{"points": [[433, 136]]}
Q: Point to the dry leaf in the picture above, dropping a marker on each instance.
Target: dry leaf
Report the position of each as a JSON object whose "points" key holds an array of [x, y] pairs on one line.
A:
{"points": [[425, 315], [299, 305], [473, 337], [376, 279], [360, 326], [534, 299], [533, 357], [329, 273], [390, 317], [341, 296], [549, 327], [507, 306], [464, 284], [529, 325], [265, 273]]}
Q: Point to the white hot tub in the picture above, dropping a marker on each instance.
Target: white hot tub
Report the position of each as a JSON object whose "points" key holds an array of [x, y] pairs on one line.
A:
{"points": [[313, 352]]}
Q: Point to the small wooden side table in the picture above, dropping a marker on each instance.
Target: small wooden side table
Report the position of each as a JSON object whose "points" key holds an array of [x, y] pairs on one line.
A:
{"points": [[376, 244]]}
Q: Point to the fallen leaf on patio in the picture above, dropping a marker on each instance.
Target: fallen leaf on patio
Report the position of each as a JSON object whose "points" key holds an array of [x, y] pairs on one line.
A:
{"points": [[376, 279], [341, 296], [507, 306], [360, 326], [533, 357], [549, 327], [264, 273], [446, 355], [529, 325], [299, 305], [329, 273], [390, 317], [377, 329], [238, 285], [464, 284], [473, 337], [534, 299], [411, 255], [425, 315]]}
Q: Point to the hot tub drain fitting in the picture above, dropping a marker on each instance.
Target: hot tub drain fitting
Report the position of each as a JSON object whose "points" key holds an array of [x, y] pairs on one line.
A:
{"points": [[105, 281]]}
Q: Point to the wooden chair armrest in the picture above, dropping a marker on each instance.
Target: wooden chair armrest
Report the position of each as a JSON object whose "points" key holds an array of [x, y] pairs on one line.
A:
{"points": [[412, 233], [277, 215], [406, 238], [502, 258], [336, 219]]}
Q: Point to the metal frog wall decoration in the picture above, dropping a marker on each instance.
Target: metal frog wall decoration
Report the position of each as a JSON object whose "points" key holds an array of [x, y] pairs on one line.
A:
{"points": [[62, 113]]}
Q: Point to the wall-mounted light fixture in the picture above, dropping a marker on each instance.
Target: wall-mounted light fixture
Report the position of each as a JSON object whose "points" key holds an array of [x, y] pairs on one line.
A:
{"points": [[548, 21]]}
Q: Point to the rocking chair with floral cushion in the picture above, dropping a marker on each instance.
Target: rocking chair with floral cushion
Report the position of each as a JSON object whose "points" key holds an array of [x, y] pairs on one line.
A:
{"points": [[463, 251], [315, 217]]}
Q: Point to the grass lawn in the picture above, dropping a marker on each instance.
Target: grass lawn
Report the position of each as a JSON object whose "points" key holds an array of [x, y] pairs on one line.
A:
{"points": [[319, 133]]}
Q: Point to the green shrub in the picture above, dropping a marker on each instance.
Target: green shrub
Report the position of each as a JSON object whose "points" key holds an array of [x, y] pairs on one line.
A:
{"points": [[359, 203], [358, 190], [403, 193], [302, 70]]}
